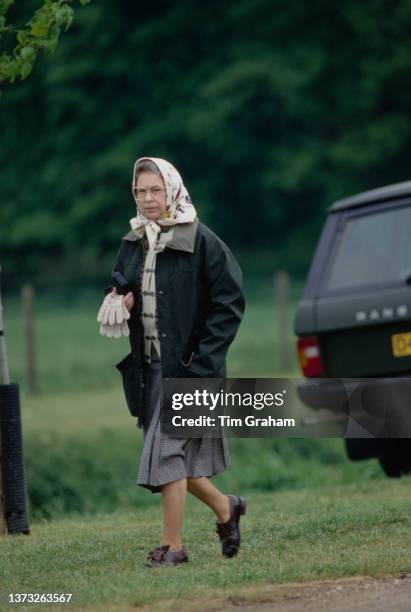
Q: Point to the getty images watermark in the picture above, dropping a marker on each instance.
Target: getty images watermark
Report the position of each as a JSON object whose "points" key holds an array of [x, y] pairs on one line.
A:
{"points": [[219, 407], [286, 407], [222, 399]]}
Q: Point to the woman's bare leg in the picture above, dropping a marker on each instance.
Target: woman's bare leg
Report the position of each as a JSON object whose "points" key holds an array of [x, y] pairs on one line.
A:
{"points": [[210, 495], [174, 497]]}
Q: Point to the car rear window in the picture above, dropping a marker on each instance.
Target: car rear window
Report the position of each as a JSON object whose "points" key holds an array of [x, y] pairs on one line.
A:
{"points": [[371, 249]]}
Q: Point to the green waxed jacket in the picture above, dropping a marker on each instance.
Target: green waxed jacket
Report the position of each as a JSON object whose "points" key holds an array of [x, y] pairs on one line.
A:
{"points": [[200, 304]]}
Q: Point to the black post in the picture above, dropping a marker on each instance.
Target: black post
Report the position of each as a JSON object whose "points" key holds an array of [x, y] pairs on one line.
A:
{"points": [[13, 477]]}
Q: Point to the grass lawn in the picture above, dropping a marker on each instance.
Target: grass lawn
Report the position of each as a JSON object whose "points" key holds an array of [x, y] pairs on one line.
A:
{"points": [[82, 446], [358, 529]]}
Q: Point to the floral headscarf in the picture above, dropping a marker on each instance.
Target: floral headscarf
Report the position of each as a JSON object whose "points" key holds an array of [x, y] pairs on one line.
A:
{"points": [[180, 209]]}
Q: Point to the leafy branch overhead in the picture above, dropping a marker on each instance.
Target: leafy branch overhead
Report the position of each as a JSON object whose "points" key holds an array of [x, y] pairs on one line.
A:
{"points": [[40, 34]]}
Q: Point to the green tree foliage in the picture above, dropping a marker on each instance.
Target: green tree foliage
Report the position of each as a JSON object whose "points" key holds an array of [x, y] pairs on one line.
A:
{"points": [[41, 33], [270, 111]]}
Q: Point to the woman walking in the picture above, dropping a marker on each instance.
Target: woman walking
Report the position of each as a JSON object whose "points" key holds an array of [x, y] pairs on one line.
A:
{"points": [[185, 303]]}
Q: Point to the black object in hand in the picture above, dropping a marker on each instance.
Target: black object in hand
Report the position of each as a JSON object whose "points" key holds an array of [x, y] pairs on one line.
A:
{"points": [[120, 283]]}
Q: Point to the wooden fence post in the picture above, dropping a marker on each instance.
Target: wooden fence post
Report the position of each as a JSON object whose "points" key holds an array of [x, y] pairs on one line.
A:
{"points": [[27, 300], [282, 302]]}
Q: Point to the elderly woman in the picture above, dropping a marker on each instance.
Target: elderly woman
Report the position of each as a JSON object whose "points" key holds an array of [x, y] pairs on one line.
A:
{"points": [[185, 303]]}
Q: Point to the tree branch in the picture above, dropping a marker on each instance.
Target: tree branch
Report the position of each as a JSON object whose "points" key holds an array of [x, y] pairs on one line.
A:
{"points": [[41, 34]]}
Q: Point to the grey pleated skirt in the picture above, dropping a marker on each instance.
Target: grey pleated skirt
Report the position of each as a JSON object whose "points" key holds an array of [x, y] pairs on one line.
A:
{"points": [[165, 459]]}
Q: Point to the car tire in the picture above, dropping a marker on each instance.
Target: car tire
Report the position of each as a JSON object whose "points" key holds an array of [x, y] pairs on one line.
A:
{"points": [[359, 449], [395, 456]]}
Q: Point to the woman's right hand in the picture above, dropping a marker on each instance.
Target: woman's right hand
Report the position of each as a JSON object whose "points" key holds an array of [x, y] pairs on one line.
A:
{"points": [[129, 301], [128, 298]]}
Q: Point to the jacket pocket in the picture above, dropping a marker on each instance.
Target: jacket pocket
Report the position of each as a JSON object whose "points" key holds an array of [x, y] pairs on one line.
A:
{"points": [[132, 384]]}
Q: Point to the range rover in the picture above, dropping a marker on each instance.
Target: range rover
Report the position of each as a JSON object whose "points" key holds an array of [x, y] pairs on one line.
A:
{"points": [[354, 319]]}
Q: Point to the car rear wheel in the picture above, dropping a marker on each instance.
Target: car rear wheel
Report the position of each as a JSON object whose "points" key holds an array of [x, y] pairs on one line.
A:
{"points": [[395, 456], [359, 449]]}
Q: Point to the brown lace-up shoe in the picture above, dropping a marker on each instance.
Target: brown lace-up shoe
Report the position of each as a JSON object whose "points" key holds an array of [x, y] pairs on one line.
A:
{"points": [[229, 532], [163, 556]]}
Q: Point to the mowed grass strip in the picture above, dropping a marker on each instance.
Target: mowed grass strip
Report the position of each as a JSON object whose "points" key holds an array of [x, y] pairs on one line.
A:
{"points": [[287, 537]]}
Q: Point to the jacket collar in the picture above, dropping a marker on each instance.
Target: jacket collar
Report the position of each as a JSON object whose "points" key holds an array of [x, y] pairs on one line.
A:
{"points": [[183, 239]]}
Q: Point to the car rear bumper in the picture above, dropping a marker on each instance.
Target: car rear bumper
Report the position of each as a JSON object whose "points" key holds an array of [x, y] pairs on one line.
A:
{"points": [[379, 406], [333, 393]]}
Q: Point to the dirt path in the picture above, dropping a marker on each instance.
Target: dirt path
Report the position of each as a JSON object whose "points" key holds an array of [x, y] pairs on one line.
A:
{"points": [[362, 594]]}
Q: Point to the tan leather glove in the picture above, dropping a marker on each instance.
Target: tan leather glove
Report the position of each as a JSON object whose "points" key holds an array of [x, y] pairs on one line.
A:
{"points": [[112, 317]]}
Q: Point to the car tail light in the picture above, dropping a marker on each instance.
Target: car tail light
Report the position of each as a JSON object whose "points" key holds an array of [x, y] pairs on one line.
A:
{"points": [[310, 357]]}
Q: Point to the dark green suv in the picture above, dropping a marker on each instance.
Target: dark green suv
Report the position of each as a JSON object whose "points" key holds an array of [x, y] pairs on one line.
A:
{"points": [[354, 319]]}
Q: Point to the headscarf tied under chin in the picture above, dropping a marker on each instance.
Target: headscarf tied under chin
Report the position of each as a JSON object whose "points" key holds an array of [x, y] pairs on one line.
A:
{"points": [[179, 206]]}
